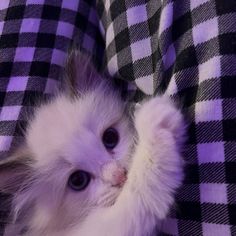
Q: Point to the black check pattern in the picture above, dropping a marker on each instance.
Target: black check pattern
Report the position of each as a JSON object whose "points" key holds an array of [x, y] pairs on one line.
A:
{"points": [[185, 48], [34, 39]]}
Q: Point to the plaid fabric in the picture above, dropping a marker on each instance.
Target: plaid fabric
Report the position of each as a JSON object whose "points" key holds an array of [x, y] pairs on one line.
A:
{"points": [[34, 38], [185, 48]]}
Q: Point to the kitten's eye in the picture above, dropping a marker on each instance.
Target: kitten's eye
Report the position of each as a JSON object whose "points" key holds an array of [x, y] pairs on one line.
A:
{"points": [[79, 180], [110, 138]]}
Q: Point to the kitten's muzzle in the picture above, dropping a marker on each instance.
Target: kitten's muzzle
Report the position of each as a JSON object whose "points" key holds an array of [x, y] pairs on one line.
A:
{"points": [[114, 173]]}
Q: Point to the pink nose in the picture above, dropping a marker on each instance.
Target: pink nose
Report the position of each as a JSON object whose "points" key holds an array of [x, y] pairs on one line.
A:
{"points": [[119, 177], [113, 173]]}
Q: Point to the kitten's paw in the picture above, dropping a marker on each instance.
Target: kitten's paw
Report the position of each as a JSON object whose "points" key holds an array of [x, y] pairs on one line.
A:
{"points": [[161, 130], [158, 114]]}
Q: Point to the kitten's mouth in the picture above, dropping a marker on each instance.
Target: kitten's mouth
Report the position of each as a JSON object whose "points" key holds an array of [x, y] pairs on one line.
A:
{"points": [[109, 198]]}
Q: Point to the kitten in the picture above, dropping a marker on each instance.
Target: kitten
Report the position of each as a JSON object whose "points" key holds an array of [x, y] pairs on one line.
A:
{"points": [[90, 168]]}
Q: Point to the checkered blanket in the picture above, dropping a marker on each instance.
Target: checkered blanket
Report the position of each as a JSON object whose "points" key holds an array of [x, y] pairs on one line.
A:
{"points": [[185, 48]]}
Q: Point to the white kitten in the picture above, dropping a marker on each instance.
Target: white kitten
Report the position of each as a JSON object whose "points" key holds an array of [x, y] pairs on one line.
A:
{"points": [[81, 170]]}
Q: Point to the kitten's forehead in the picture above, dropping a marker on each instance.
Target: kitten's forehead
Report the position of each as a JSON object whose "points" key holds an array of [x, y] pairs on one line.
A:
{"points": [[66, 124]]}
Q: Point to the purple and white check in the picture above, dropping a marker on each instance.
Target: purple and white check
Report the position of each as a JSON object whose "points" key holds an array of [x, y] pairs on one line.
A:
{"points": [[186, 48]]}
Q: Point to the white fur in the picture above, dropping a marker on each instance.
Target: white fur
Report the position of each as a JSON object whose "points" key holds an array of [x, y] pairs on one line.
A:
{"points": [[154, 176], [65, 135]]}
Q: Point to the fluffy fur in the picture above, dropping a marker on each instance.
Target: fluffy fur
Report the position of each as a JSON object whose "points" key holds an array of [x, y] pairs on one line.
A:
{"points": [[65, 135]]}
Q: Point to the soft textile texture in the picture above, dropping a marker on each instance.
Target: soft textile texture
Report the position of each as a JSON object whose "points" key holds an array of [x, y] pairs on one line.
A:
{"points": [[185, 48]]}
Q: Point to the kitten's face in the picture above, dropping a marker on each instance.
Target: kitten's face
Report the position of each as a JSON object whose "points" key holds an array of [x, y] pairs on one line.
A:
{"points": [[67, 136], [76, 154]]}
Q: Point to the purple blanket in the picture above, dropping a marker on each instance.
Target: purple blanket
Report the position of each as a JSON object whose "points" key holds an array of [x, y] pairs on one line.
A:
{"points": [[185, 48]]}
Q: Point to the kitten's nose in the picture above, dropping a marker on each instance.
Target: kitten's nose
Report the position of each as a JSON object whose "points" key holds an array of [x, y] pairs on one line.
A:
{"points": [[113, 173]]}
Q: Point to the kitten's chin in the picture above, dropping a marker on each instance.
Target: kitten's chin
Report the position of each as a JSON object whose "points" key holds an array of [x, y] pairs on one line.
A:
{"points": [[109, 198]]}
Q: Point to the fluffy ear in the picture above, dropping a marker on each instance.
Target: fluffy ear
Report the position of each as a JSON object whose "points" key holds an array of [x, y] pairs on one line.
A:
{"points": [[80, 74], [15, 170]]}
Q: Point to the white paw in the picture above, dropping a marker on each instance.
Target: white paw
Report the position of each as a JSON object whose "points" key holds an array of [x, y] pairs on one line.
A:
{"points": [[156, 115], [161, 129]]}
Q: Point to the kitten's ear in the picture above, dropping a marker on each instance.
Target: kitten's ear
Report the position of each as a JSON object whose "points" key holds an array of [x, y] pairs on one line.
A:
{"points": [[15, 170], [81, 74]]}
